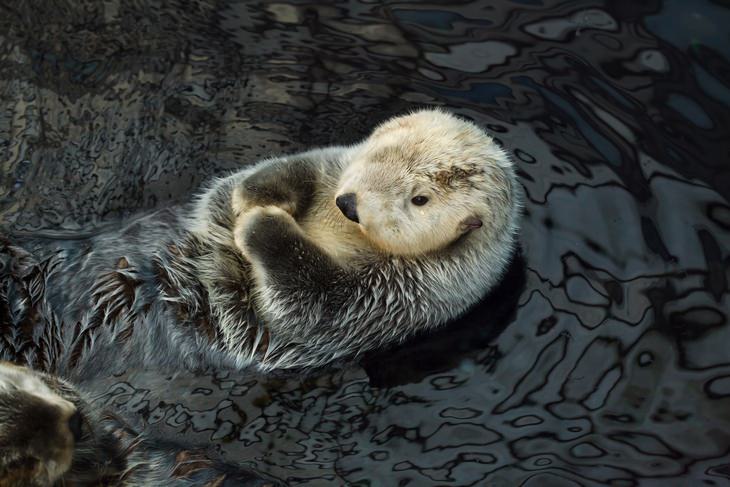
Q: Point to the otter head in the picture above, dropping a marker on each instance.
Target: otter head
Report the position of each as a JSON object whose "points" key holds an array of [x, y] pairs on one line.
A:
{"points": [[422, 181], [38, 429]]}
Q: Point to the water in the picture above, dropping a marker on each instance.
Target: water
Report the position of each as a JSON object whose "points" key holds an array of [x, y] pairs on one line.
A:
{"points": [[604, 357]]}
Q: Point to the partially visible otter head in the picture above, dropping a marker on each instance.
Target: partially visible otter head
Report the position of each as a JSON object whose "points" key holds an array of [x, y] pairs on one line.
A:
{"points": [[47, 436], [423, 180], [37, 429]]}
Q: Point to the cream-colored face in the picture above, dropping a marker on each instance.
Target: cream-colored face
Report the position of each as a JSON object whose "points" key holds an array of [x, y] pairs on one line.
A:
{"points": [[423, 180], [403, 215]]}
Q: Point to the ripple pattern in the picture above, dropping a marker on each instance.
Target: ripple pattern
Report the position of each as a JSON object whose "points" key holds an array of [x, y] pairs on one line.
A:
{"points": [[612, 365]]}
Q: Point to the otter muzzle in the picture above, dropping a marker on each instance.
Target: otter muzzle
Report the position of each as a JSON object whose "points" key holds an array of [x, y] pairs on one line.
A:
{"points": [[347, 203]]}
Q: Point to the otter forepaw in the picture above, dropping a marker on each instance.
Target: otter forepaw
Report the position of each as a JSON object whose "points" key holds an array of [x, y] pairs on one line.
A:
{"points": [[242, 203], [263, 227]]}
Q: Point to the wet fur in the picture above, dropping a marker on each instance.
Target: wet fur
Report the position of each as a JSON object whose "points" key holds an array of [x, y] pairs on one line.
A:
{"points": [[261, 271], [321, 288], [107, 452], [189, 287]]}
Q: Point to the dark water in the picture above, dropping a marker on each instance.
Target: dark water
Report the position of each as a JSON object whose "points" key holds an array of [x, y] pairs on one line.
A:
{"points": [[613, 361]]}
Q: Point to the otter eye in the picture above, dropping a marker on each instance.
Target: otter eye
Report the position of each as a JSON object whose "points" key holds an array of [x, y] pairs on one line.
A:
{"points": [[419, 200]]}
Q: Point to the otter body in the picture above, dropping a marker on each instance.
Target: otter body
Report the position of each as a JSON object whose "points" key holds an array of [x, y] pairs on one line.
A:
{"points": [[50, 434], [269, 268], [350, 249], [294, 263]]}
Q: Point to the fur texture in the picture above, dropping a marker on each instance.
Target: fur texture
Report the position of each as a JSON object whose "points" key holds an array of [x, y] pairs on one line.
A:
{"points": [[324, 287], [51, 435], [263, 270]]}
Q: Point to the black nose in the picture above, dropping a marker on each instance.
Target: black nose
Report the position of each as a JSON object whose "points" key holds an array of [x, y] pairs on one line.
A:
{"points": [[348, 206], [75, 423]]}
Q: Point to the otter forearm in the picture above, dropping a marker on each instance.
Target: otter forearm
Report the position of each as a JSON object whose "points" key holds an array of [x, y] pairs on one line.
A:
{"points": [[286, 258], [316, 310], [287, 182]]}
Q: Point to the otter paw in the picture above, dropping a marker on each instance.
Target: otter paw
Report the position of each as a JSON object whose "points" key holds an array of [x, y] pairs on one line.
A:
{"points": [[262, 226], [242, 203]]}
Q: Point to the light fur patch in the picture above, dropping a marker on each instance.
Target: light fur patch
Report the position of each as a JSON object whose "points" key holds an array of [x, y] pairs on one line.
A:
{"points": [[14, 378], [433, 154]]}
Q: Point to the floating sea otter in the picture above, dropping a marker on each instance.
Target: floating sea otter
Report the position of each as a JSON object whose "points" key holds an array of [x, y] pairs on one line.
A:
{"points": [[293, 263]]}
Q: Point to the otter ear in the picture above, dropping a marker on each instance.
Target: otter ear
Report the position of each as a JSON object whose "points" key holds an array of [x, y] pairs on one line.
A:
{"points": [[470, 223]]}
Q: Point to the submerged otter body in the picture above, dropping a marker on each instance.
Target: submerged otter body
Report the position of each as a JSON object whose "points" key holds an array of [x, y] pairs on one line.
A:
{"points": [[265, 268], [51, 435]]}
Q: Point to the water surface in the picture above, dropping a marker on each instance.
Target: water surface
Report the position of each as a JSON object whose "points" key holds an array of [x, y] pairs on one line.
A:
{"points": [[603, 360]]}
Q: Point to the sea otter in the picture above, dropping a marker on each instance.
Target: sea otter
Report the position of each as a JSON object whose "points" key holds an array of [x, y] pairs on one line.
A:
{"points": [[293, 263], [50, 434], [350, 249]]}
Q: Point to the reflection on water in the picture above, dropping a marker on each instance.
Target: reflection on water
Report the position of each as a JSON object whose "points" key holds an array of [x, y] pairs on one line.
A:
{"points": [[613, 365]]}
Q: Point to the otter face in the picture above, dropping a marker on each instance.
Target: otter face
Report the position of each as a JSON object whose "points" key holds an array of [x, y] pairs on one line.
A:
{"points": [[38, 429], [423, 180]]}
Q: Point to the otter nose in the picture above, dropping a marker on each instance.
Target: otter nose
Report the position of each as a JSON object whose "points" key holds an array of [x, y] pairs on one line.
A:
{"points": [[75, 425], [347, 203]]}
